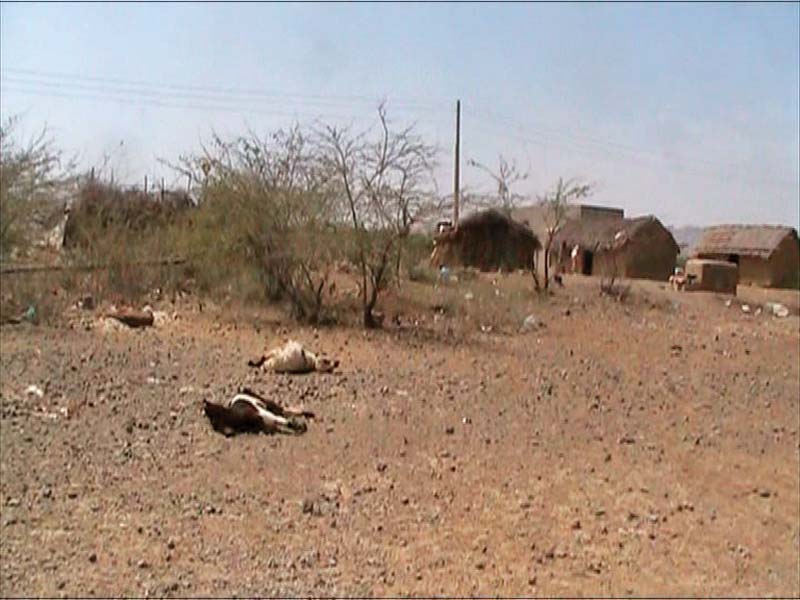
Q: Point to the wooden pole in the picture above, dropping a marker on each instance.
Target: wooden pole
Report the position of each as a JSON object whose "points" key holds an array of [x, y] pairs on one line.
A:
{"points": [[457, 168], [145, 185]]}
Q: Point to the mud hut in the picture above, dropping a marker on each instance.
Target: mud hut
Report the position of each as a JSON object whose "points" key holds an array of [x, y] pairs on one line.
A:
{"points": [[487, 240], [767, 255], [640, 248]]}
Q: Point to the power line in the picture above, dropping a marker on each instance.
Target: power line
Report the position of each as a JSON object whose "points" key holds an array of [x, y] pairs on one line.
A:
{"points": [[242, 110], [627, 153], [247, 93]]}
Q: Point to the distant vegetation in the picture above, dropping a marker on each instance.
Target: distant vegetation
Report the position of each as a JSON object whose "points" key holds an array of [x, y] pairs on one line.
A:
{"points": [[276, 218]]}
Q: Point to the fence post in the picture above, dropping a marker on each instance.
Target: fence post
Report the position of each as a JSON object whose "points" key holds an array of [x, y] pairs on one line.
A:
{"points": [[145, 185]]}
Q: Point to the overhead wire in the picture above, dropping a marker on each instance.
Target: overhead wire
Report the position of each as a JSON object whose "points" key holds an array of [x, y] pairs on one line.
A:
{"points": [[524, 133], [106, 83], [262, 102]]}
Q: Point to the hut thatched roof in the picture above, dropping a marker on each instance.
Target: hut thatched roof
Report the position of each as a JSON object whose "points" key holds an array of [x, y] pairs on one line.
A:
{"points": [[748, 240], [494, 220], [597, 235]]}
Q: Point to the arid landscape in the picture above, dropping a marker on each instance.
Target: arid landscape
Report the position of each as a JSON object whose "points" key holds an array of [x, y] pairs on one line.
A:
{"points": [[642, 447]]}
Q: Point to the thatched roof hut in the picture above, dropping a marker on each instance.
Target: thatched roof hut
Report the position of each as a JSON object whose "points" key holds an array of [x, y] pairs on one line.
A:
{"points": [[487, 240], [767, 255], [635, 248]]}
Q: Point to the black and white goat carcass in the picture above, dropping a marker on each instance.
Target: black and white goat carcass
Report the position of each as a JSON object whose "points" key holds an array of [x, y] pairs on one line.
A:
{"points": [[247, 412]]}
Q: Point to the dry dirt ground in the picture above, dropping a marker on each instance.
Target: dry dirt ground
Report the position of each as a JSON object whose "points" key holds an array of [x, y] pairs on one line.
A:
{"points": [[637, 448]]}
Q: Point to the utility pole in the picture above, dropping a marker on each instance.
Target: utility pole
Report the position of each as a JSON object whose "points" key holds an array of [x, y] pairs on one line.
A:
{"points": [[457, 170]]}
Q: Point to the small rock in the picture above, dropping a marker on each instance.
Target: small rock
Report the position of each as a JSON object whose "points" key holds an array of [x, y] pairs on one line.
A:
{"points": [[381, 466], [143, 564], [93, 558], [777, 309], [450, 430], [34, 390], [530, 323], [86, 303]]}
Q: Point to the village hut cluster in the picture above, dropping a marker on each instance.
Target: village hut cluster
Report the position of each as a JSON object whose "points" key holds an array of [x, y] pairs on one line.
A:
{"points": [[601, 241]]}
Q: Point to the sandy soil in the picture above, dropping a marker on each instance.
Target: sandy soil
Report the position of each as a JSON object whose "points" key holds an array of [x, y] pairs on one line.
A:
{"points": [[637, 448]]}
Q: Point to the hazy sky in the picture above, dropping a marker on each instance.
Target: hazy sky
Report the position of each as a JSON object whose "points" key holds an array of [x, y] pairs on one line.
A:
{"points": [[690, 112]]}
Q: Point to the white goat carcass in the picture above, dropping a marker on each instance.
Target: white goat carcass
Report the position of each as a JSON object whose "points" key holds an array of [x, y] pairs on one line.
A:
{"points": [[293, 358]]}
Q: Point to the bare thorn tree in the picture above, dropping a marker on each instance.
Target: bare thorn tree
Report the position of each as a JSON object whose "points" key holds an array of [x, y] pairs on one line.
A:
{"points": [[556, 206], [384, 182], [29, 176], [505, 177]]}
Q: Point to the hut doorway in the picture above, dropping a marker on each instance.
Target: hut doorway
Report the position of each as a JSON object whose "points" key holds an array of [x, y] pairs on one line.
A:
{"points": [[588, 260], [734, 258]]}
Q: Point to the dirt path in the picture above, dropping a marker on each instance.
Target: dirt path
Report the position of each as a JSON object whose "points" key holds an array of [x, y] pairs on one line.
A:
{"points": [[642, 448]]}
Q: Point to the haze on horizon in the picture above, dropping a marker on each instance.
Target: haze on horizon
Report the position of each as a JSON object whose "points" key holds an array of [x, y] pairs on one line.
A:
{"points": [[688, 112]]}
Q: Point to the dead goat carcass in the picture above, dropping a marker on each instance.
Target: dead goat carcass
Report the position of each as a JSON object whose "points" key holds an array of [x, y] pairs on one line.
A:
{"points": [[247, 412], [293, 358]]}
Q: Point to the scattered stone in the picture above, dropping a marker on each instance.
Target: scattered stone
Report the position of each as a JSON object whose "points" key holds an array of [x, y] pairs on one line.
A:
{"points": [[86, 302], [530, 323], [93, 558], [34, 390], [450, 430], [777, 309]]}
